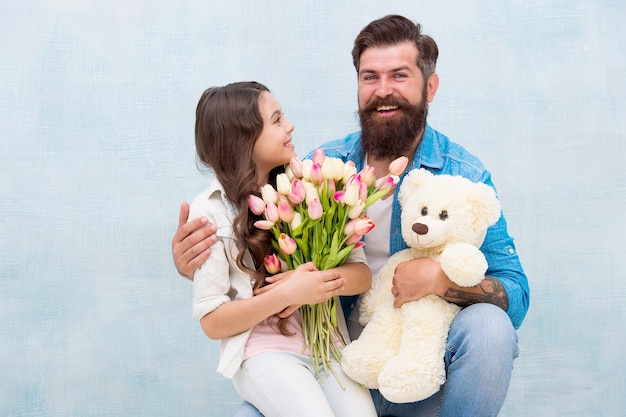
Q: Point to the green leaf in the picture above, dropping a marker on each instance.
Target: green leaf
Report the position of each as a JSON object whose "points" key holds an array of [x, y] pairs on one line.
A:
{"points": [[328, 219], [343, 254], [331, 261]]}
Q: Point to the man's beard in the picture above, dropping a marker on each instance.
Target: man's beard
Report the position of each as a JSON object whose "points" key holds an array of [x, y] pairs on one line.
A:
{"points": [[388, 138]]}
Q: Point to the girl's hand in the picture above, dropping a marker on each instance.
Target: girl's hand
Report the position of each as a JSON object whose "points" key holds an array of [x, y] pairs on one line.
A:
{"points": [[288, 311], [273, 281], [305, 285]]}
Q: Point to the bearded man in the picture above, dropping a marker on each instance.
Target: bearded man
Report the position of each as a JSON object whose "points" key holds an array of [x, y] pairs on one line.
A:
{"points": [[395, 64]]}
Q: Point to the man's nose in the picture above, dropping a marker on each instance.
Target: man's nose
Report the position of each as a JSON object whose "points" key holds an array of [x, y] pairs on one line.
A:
{"points": [[384, 88]]}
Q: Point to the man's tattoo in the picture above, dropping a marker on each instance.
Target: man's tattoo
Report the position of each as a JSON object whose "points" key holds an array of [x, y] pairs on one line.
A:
{"points": [[490, 290]]}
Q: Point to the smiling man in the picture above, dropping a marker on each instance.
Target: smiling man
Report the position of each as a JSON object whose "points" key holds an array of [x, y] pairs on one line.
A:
{"points": [[395, 64]]}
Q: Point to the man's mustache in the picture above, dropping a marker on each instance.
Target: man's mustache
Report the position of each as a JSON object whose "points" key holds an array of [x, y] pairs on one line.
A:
{"points": [[386, 101]]}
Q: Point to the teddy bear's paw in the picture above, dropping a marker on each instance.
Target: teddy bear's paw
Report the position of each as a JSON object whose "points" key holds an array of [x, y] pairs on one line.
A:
{"points": [[464, 264], [361, 365], [403, 381]]}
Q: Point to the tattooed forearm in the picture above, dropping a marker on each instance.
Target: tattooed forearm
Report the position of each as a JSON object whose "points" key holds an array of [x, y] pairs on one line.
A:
{"points": [[490, 290]]}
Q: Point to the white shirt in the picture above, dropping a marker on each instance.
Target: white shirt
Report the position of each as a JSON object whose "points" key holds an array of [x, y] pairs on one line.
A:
{"points": [[376, 252]]}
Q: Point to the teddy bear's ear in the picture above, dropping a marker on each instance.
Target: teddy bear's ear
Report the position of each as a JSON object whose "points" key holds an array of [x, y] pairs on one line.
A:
{"points": [[413, 180], [485, 201]]}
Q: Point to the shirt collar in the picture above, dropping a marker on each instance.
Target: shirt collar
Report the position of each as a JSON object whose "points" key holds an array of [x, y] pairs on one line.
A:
{"points": [[428, 151], [216, 190]]}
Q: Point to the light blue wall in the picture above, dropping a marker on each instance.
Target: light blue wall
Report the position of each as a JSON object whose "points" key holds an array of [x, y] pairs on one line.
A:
{"points": [[96, 124]]}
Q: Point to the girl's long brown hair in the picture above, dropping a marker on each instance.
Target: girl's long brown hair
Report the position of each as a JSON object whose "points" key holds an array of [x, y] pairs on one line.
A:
{"points": [[228, 123]]}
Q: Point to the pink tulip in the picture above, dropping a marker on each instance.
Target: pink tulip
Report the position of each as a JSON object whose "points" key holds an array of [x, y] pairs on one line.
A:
{"points": [[359, 244], [297, 193], [272, 264], [264, 224], [348, 230], [385, 183], [296, 167], [363, 226], [354, 238], [367, 175], [363, 190], [256, 204], [316, 174], [358, 226], [339, 196], [285, 211], [287, 244], [398, 165], [315, 209], [318, 156], [271, 212], [354, 179]]}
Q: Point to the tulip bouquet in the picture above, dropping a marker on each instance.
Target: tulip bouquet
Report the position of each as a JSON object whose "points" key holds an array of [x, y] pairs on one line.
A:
{"points": [[316, 214]]}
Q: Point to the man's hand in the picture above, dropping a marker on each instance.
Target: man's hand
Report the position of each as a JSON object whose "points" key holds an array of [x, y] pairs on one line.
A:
{"points": [[191, 245], [417, 278]]}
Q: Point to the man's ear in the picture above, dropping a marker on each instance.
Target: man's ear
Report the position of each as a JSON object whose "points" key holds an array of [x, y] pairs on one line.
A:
{"points": [[431, 87]]}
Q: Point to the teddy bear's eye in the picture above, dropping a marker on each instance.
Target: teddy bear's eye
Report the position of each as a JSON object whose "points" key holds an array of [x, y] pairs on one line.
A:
{"points": [[424, 211], [443, 215]]}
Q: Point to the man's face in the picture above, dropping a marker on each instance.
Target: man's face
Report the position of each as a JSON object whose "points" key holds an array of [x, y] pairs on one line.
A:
{"points": [[393, 99]]}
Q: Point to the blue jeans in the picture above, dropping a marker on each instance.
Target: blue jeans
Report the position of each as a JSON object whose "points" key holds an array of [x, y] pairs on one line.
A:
{"points": [[482, 345]]}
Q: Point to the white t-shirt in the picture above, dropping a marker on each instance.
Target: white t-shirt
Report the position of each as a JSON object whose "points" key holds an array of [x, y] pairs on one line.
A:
{"points": [[376, 252]]}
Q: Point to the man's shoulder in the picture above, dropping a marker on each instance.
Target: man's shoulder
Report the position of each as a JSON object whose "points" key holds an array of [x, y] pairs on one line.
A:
{"points": [[341, 148], [455, 158]]}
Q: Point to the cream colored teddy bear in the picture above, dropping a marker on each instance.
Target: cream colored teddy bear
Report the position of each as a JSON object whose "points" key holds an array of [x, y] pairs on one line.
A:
{"points": [[401, 350]]}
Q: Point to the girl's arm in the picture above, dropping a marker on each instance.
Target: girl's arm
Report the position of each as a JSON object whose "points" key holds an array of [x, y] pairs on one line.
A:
{"points": [[304, 285], [358, 278], [356, 272]]}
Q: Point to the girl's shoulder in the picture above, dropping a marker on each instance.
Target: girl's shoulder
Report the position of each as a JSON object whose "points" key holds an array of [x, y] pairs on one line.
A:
{"points": [[213, 204]]}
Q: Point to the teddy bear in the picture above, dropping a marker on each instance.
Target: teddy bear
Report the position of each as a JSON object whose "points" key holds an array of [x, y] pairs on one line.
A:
{"points": [[401, 350]]}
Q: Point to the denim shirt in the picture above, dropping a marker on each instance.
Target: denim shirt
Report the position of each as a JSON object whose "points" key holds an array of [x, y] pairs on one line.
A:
{"points": [[440, 155]]}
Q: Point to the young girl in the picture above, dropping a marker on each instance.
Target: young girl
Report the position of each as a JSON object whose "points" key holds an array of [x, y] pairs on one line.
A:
{"points": [[242, 136]]}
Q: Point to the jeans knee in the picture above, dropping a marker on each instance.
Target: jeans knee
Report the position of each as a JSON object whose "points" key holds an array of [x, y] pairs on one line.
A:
{"points": [[484, 328]]}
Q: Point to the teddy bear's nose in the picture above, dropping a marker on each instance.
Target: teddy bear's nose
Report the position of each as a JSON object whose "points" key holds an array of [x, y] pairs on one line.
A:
{"points": [[420, 228]]}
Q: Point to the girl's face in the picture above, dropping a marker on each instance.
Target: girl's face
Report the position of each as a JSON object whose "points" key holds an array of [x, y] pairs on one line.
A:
{"points": [[274, 147]]}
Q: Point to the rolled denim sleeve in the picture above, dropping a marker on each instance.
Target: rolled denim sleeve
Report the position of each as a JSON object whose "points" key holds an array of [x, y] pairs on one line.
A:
{"points": [[504, 264]]}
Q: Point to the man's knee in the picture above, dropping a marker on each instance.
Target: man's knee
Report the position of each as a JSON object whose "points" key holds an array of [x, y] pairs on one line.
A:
{"points": [[485, 327]]}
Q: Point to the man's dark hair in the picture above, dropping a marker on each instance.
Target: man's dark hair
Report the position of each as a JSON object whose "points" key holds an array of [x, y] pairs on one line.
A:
{"points": [[391, 30]]}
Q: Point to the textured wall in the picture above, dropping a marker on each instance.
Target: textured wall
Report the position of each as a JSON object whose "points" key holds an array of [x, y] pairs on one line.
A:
{"points": [[96, 127]]}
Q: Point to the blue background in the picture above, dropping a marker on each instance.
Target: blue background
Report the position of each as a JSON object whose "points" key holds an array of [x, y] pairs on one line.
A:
{"points": [[96, 125]]}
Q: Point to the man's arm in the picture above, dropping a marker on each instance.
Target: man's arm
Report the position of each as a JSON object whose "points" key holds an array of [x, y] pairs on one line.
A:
{"points": [[417, 278], [191, 244]]}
